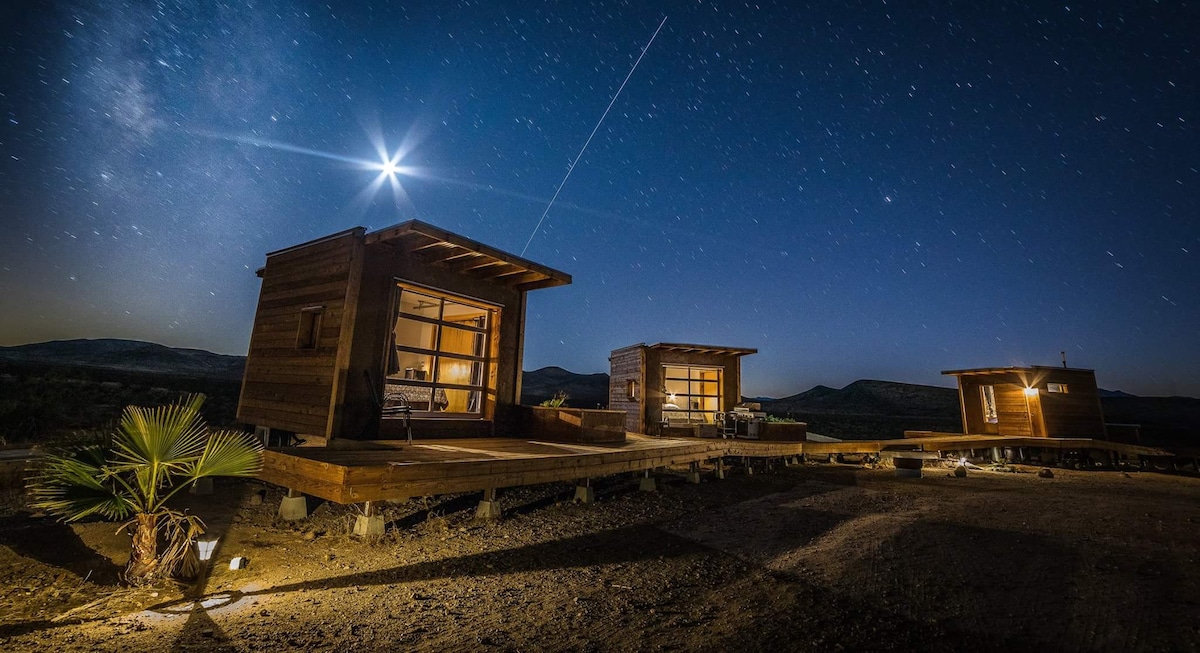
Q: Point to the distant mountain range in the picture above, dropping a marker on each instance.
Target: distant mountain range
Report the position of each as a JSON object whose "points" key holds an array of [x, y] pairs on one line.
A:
{"points": [[865, 408], [128, 356]]}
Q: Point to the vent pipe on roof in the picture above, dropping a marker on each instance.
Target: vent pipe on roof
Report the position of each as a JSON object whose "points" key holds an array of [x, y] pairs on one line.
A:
{"points": [[1064, 357]]}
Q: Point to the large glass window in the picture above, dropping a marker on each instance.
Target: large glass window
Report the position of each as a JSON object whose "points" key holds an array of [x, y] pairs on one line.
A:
{"points": [[692, 394], [440, 345]]}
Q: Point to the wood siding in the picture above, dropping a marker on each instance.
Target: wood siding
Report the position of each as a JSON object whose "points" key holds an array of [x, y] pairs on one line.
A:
{"points": [[1077, 412], [1012, 409], [625, 365], [1074, 413], [286, 387]]}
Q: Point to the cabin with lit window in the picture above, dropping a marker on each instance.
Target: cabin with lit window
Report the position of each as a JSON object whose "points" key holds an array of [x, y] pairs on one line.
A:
{"points": [[673, 389], [364, 335], [1054, 402]]}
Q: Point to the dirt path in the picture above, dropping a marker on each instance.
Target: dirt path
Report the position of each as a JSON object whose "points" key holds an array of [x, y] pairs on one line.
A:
{"points": [[820, 557]]}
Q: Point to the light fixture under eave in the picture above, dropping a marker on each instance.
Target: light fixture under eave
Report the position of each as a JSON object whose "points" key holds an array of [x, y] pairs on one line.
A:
{"points": [[1031, 392], [204, 548]]}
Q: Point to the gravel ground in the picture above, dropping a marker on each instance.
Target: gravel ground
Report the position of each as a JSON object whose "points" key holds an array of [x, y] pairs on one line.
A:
{"points": [[812, 557]]}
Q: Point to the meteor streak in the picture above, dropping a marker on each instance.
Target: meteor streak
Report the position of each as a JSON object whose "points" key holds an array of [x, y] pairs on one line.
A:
{"points": [[571, 168]]}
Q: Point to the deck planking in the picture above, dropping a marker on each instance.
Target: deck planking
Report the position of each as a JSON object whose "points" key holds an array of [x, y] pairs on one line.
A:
{"points": [[396, 470]]}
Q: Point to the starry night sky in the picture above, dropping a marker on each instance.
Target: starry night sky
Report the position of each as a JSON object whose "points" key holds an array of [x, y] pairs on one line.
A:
{"points": [[857, 189]]}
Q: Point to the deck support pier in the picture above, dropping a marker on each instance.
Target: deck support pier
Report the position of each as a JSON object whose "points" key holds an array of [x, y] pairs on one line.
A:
{"points": [[720, 471], [294, 506], [370, 523], [584, 492], [489, 507], [648, 484], [693, 475]]}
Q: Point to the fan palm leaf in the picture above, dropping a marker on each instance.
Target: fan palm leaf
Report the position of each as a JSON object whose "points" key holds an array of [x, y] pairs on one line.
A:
{"points": [[229, 453], [76, 485]]}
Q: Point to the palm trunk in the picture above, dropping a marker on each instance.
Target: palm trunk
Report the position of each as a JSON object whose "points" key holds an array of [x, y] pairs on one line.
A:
{"points": [[143, 559]]}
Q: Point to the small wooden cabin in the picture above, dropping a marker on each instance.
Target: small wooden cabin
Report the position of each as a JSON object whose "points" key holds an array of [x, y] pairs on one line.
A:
{"points": [[348, 322], [671, 388], [1030, 401]]}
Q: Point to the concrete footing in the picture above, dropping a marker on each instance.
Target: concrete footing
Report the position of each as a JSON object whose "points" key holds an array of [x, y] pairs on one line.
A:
{"points": [[293, 508], [720, 471], [202, 486], [584, 494], [488, 510], [648, 484], [489, 507], [366, 526]]}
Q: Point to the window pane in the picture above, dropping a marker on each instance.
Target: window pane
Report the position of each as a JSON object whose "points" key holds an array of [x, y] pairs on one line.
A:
{"points": [[461, 401], [989, 404], [676, 387], [461, 341], [707, 388], [414, 303], [413, 366], [705, 374], [675, 372], [463, 314], [459, 372], [411, 333]]}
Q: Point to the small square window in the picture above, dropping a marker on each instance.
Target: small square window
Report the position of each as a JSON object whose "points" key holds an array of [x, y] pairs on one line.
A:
{"points": [[310, 327], [631, 390], [1057, 387]]}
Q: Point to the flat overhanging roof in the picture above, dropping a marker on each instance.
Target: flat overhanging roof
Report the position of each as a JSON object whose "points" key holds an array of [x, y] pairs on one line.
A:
{"points": [[982, 371], [703, 349], [462, 255]]}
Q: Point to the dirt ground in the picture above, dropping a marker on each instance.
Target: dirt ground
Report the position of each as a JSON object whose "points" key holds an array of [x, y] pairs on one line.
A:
{"points": [[812, 557]]}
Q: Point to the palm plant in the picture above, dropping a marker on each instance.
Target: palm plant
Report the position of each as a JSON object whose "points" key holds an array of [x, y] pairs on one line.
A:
{"points": [[154, 453]]}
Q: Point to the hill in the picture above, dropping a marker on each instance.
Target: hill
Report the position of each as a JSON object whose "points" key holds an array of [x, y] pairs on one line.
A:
{"points": [[128, 356], [583, 390], [869, 409], [868, 397]]}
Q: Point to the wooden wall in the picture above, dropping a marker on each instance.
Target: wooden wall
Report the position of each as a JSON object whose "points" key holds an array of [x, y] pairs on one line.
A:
{"points": [[1076, 413], [383, 265], [1013, 410], [625, 365], [289, 388]]}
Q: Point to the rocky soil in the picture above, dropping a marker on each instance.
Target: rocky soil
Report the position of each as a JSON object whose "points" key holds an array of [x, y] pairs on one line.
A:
{"points": [[813, 557]]}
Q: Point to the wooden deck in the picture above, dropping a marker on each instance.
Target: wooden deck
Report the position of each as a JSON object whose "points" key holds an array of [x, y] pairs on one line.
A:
{"points": [[378, 470]]}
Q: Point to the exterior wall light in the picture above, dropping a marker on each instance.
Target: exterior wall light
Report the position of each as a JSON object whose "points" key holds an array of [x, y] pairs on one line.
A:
{"points": [[1031, 392]]}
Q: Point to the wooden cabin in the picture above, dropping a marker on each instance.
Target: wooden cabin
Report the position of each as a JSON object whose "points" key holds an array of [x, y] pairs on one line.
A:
{"points": [[1053, 402], [670, 389], [353, 327]]}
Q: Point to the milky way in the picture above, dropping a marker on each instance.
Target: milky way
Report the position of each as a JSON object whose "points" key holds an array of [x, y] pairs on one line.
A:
{"points": [[859, 190]]}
